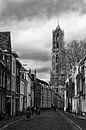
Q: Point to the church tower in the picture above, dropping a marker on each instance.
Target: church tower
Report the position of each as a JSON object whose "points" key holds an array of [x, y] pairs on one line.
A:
{"points": [[58, 58]]}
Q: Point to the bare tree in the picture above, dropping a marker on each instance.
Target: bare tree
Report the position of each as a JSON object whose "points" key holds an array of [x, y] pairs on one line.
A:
{"points": [[75, 51]]}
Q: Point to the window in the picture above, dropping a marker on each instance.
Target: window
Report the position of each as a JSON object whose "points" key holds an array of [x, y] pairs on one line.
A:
{"points": [[1, 55], [83, 71], [57, 69], [56, 89], [8, 83], [3, 79], [57, 45], [13, 67], [0, 76], [57, 58], [8, 60], [0, 101], [24, 76], [17, 71], [83, 86], [79, 68]]}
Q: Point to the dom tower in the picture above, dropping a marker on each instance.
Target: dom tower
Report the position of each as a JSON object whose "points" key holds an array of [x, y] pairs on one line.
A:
{"points": [[58, 59]]}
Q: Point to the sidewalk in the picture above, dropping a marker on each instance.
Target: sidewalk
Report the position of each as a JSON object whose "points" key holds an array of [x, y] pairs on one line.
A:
{"points": [[79, 120], [77, 116], [11, 121]]}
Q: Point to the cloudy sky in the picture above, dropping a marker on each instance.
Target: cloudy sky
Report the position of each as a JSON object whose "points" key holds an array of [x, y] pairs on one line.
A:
{"points": [[31, 23]]}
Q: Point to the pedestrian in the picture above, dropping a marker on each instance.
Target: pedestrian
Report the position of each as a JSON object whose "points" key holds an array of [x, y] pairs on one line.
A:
{"points": [[28, 112], [35, 110], [32, 110], [38, 111]]}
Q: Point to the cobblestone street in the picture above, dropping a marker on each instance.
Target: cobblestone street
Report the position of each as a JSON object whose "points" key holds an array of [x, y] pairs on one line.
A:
{"points": [[48, 120]]}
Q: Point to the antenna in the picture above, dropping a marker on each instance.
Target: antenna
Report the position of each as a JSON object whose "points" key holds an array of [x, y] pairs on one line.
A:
{"points": [[58, 21]]}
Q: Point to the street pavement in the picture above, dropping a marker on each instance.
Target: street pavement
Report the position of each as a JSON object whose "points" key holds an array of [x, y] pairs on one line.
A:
{"points": [[48, 120]]}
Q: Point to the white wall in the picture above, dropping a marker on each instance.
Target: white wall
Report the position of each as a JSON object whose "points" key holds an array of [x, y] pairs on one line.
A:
{"points": [[29, 91], [22, 85], [32, 98], [21, 102], [13, 78]]}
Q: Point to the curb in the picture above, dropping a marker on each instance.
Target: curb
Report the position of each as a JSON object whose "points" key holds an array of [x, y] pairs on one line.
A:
{"points": [[10, 124]]}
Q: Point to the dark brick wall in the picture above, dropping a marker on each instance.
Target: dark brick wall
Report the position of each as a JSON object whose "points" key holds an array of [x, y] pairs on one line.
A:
{"points": [[5, 41]]}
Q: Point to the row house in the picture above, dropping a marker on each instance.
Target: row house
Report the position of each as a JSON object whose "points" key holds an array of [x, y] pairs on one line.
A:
{"points": [[17, 90], [29, 90], [47, 95], [81, 86], [23, 89], [75, 92], [44, 100], [70, 92], [74, 89], [14, 87], [13, 84], [37, 93], [18, 87], [33, 89], [5, 45], [42, 95], [2, 81]]}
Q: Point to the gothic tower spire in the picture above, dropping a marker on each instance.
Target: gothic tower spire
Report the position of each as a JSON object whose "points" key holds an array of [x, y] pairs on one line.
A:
{"points": [[57, 56]]}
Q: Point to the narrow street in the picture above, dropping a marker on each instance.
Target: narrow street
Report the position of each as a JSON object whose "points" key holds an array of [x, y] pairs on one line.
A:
{"points": [[48, 120]]}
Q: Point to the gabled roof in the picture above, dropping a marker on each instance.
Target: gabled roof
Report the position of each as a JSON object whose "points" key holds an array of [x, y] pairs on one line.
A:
{"points": [[43, 82], [15, 54]]}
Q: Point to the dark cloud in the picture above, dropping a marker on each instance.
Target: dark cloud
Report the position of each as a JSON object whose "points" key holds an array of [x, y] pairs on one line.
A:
{"points": [[32, 54], [39, 8], [43, 70]]}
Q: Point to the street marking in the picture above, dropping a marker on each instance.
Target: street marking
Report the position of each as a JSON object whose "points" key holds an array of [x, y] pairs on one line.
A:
{"points": [[71, 121]]}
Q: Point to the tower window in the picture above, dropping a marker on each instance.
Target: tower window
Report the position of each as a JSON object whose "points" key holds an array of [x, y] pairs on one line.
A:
{"points": [[57, 58], [57, 34], [56, 89], [57, 45], [57, 69], [53, 44]]}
